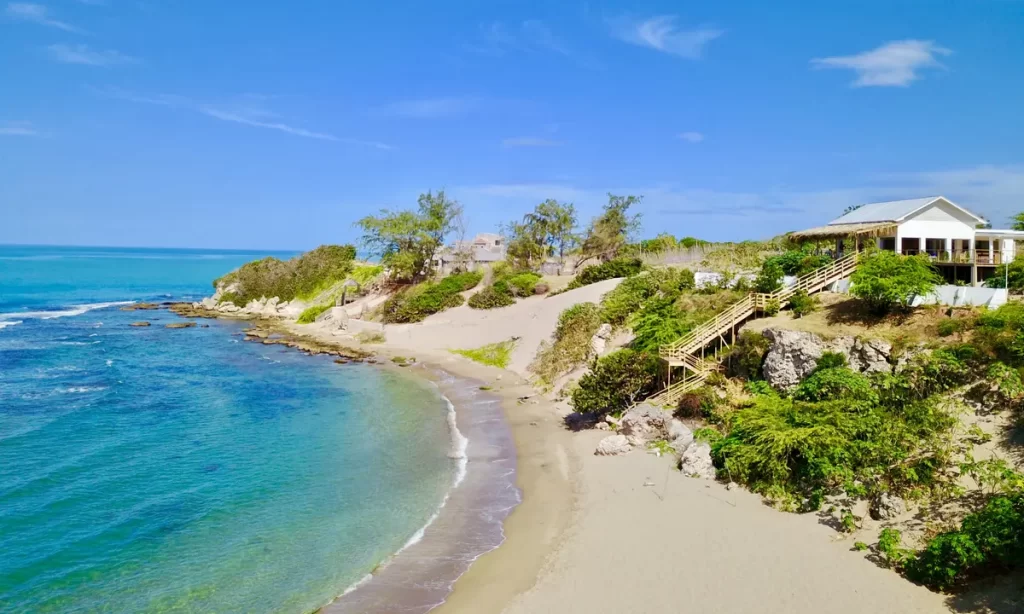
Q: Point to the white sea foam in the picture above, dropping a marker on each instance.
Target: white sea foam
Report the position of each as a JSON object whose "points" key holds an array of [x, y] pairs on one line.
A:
{"points": [[5, 323], [74, 310], [80, 389]]}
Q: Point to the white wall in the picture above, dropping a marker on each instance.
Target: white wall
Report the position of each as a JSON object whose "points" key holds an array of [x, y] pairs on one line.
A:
{"points": [[938, 221]]}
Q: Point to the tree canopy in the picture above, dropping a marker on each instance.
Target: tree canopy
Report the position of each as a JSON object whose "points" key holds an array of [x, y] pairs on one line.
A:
{"points": [[887, 281], [406, 240], [610, 231], [549, 230]]}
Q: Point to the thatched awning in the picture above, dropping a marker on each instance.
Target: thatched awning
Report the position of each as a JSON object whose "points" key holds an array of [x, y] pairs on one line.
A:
{"points": [[841, 231]]}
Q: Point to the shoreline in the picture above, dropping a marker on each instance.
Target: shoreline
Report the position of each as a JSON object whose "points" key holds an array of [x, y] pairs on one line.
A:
{"points": [[544, 466]]}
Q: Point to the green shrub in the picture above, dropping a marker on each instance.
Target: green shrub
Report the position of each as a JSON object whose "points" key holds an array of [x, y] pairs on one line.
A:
{"points": [[233, 298], [697, 404], [830, 360], [310, 313], [772, 307], [523, 284], [491, 298], [887, 281], [428, 298], [835, 383], [629, 296], [1000, 333], [493, 354], [770, 278], [616, 382], [664, 319], [571, 343], [990, 537], [619, 267], [747, 355], [799, 261], [951, 325], [299, 277], [802, 304]]}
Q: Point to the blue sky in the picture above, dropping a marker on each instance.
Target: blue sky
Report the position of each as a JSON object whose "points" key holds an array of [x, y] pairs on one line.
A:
{"points": [[276, 125]]}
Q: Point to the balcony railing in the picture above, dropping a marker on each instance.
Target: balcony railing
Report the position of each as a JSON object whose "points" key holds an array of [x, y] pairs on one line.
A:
{"points": [[978, 256]]}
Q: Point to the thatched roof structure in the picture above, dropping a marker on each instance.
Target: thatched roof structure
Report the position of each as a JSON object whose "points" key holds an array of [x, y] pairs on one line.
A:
{"points": [[842, 231]]}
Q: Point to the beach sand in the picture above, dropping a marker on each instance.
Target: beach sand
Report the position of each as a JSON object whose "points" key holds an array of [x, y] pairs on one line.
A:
{"points": [[631, 534]]}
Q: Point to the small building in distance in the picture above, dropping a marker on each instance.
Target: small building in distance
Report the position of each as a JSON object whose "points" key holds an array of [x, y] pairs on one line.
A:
{"points": [[959, 242], [483, 250]]}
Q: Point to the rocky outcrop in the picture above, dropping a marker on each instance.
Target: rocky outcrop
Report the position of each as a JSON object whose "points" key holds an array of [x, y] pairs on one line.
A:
{"points": [[696, 461], [181, 325], [644, 423], [679, 436], [140, 324], [613, 445], [793, 354]]}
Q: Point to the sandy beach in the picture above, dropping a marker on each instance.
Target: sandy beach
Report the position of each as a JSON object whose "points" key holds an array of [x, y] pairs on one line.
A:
{"points": [[631, 534]]}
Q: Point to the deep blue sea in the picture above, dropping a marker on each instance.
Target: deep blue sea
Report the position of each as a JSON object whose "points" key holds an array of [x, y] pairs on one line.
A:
{"points": [[183, 470]]}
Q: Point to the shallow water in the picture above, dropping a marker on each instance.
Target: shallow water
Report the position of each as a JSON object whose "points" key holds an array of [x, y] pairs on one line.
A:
{"points": [[154, 469]]}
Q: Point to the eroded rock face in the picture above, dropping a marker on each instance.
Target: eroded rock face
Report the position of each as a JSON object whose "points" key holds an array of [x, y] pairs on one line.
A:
{"points": [[696, 461], [644, 423], [679, 436], [599, 341], [613, 445], [794, 354]]}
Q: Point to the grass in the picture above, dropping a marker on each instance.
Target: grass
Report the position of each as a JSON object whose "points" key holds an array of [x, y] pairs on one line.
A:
{"points": [[310, 315], [370, 337], [492, 354]]}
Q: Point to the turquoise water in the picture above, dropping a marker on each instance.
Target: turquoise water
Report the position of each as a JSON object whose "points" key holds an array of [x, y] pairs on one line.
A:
{"points": [[154, 469]]}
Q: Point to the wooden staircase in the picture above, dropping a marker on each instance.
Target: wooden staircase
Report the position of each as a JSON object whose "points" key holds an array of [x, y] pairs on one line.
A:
{"points": [[681, 353]]}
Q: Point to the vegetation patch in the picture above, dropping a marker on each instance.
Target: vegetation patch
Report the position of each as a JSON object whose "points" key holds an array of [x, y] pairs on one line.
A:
{"points": [[310, 314], [887, 282], [492, 355], [368, 336], [491, 298], [616, 382], [620, 267], [288, 279], [571, 344], [422, 300]]}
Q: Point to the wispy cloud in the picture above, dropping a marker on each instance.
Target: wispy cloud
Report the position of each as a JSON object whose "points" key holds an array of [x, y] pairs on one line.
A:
{"points": [[246, 111], [38, 14], [431, 108], [894, 64], [18, 128], [662, 33], [530, 141], [83, 54], [530, 35], [691, 137]]}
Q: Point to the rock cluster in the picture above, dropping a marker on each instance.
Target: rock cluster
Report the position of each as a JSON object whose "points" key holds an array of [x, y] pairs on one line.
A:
{"points": [[794, 354], [886, 507], [646, 423], [599, 341]]}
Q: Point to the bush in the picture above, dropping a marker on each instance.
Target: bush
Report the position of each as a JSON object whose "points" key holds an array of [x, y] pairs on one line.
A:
{"points": [[491, 298], [616, 382], [630, 295], [620, 267], [665, 319], [747, 355], [415, 304], [571, 344], [523, 284], [990, 537], [952, 326], [830, 360], [835, 383], [887, 281], [697, 404], [300, 277], [310, 314], [802, 304], [799, 261], [1000, 333], [772, 307], [770, 278]]}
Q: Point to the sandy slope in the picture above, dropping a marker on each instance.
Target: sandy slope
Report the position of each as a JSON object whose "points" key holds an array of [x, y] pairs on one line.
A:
{"points": [[532, 319]]}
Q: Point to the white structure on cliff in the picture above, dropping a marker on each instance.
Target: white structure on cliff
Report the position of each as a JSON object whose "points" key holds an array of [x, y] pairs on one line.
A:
{"points": [[963, 248]]}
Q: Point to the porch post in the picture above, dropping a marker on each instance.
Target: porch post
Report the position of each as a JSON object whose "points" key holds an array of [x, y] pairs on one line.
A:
{"points": [[949, 248]]}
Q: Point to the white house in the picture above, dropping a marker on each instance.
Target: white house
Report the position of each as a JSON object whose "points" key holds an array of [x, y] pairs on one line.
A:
{"points": [[963, 248]]}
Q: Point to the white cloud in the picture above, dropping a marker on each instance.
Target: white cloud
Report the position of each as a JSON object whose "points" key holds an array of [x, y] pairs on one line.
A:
{"points": [[39, 14], [691, 137], [530, 141], [894, 64], [83, 54], [245, 113], [661, 33], [431, 108], [18, 128]]}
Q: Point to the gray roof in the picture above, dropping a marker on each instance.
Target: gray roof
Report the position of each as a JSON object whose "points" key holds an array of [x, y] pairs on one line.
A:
{"points": [[893, 211]]}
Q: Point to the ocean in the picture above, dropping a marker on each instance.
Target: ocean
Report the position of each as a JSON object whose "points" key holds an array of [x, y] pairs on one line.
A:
{"points": [[183, 470]]}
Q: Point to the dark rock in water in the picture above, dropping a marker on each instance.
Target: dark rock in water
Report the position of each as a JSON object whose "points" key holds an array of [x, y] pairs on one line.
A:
{"points": [[341, 361], [205, 326], [142, 323], [167, 303], [142, 306], [181, 325]]}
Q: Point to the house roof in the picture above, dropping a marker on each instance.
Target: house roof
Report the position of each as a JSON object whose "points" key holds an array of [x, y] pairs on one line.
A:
{"points": [[894, 211], [840, 231]]}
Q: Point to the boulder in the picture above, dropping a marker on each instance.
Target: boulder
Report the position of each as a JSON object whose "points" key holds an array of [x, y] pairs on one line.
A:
{"points": [[644, 423], [613, 445], [599, 341], [336, 318], [679, 436], [181, 325], [207, 303], [886, 507], [871, 356], [791, 357], [696, 461], [142, 323]]}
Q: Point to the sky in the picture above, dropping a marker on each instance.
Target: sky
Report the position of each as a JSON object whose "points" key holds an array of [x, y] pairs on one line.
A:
{"points": [[276, 125]]}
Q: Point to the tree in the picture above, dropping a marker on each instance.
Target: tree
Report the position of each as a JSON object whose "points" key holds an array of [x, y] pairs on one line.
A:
{"points": [[1018, 221], [549, 230], [886, 281], [610, 231], [616, 382], [406, 241]]}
